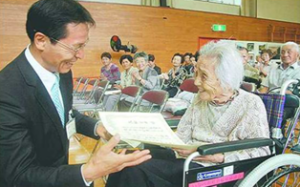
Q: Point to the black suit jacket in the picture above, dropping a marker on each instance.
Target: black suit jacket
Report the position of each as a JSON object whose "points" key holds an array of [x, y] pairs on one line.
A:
{"points": [[33, 142]]}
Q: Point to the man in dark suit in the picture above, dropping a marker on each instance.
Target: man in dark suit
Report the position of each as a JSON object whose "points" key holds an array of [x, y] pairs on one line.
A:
{"points": [[36, 105]]}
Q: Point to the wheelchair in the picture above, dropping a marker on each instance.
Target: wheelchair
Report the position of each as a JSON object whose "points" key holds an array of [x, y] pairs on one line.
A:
{"points": [[277, 169]]}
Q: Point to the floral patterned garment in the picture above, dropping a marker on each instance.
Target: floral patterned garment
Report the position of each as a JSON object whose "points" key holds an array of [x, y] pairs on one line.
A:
{"points": [[243, 118], [180, 76]]}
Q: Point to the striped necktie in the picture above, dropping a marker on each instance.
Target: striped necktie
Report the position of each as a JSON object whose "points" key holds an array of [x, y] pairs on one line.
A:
{"points": [[56, 100]]}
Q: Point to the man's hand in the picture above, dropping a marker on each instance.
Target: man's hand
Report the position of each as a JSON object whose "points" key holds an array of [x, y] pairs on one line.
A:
{"points": [[102, 132], [105, 161], [216, 158]]}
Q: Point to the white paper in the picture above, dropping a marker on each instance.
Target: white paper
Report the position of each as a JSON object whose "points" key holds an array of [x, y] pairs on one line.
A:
{"points": [[110, 92], [142, 127]]}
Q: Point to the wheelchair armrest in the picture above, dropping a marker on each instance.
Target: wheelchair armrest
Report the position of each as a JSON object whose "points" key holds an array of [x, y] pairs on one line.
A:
{"points": [[234, 146]]}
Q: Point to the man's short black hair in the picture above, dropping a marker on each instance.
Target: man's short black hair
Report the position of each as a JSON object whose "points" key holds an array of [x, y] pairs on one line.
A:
{"points": [[51, 18], [128, 57]]}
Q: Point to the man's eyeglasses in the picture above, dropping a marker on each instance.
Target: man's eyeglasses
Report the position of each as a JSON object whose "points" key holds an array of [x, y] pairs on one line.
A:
{"points": [[74, 49]]}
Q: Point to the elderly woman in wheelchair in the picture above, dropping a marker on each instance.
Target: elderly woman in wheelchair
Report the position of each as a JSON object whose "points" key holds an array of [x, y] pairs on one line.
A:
{"points": [[222, 112]]}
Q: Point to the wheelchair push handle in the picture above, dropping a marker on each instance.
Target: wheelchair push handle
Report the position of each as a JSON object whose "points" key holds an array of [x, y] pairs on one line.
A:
{"points": [[286, 84]]}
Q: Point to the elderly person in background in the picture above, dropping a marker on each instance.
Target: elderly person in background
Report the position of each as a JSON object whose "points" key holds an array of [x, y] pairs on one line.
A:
{"points": [[258, 61], [251, 74], [175, 76], [265, 66], [222, 112], [146, 78], [127, 79], [289, 69]]}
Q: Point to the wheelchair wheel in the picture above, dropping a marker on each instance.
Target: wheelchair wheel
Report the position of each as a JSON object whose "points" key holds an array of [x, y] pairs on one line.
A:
{"points": [[281, 177], [281, 163]]}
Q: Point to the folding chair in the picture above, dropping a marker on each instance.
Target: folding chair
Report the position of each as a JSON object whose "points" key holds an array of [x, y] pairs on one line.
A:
{"points": [[88, 97], [153, 99], [78, 80], [228, 174], [131, 91], [188, 86], [92, 108], [80, 92]]}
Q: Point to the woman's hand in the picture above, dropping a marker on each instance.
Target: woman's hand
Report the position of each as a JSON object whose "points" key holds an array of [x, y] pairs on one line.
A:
{"points": [[184, 152], [137, 75], [165, 76], [216, 158]]}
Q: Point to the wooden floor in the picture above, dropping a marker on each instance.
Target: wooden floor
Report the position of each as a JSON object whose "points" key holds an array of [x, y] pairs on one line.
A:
{"points": [[81, 148], [80, 151]]}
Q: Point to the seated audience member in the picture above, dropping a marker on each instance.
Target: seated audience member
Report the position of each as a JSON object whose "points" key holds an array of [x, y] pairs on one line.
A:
{"points": [[146, 78], [127, 79], [175, 76], [258, 61], [192, 70], [152, 64], [265, 66], [221, 112], [251, 74], [188, 65], [289, 69], [109, 71]]}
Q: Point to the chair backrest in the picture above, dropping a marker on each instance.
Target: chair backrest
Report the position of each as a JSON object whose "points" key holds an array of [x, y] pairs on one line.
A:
{"points": [[78, 80], [248, 86], [92, 82], [103, 85], [155, 98], [132, 91], [90, 97], [189, 86], [85, 82]]}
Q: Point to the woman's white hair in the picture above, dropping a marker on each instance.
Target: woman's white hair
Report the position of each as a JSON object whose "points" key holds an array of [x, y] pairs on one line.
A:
{"points": [[229, 67]]}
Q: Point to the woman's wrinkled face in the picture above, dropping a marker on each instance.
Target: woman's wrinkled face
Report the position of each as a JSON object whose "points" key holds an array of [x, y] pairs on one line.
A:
{"points": [[206, 79], [176, 61], [141, 63]]}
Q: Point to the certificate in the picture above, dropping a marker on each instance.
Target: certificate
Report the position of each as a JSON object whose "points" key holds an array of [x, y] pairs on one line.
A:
{"points": [[134, 128]]}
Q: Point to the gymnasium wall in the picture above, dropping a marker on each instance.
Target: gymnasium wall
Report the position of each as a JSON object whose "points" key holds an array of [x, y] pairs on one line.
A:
{"points": [[156, 30]]}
